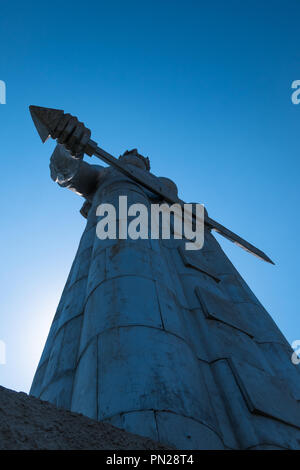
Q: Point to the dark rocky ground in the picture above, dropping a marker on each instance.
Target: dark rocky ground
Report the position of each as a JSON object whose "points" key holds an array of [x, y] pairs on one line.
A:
{"points": [[29, 423]]}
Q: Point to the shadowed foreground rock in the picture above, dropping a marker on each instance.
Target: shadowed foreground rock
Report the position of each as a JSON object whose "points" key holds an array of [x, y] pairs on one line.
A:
{"points": [[29, 423]]}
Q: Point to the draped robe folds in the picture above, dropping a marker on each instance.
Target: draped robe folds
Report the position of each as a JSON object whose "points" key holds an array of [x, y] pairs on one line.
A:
{"points": [[163, 342]]}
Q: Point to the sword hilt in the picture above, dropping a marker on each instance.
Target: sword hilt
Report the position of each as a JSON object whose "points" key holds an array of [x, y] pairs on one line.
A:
{"points": [[90, 147]]}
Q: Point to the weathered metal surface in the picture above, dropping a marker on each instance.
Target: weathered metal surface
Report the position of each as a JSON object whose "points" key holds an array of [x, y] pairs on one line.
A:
{"points": [[134, 344], [266, 394]]}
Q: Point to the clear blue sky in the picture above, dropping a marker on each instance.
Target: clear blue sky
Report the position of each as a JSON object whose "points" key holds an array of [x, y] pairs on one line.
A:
{"points": [[203, 88]]}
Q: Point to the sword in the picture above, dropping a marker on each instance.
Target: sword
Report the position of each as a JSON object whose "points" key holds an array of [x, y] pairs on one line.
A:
{"points": [[47, 120]]}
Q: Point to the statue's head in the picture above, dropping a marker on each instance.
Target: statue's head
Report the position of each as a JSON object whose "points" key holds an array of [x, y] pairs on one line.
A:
{"points": [[134, 158]]}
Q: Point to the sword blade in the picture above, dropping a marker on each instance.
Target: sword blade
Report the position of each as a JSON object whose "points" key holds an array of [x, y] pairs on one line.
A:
{"points": [[237, 240], [158, 189]]}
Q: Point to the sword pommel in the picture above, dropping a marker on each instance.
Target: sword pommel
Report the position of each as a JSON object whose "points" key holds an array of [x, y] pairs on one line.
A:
{"points": [[65, 128]]}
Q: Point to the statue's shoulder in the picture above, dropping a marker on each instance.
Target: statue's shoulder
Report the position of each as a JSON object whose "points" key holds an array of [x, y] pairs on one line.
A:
{"points": [[172, 187]]}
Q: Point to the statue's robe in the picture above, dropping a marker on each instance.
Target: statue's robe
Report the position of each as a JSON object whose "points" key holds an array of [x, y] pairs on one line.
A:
{"points": [[164, 342]]}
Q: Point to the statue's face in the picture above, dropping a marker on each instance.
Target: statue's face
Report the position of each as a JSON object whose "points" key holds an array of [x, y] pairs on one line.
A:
{"points": [[132, 159]]}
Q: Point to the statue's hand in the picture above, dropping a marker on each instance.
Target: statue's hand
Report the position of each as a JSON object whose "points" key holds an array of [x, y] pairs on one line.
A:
{"points": [[63, 167], [73, 135]]}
